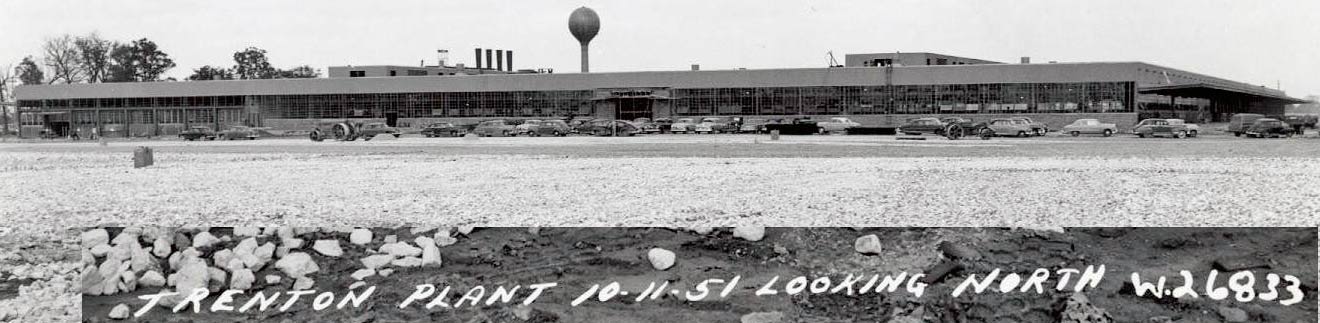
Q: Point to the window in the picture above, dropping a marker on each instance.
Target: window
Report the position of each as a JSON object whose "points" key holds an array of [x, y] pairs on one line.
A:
{"points": [[394, 73], [357, 73]]}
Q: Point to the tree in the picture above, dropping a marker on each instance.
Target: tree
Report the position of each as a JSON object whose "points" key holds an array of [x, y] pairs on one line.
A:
{"points": [[140, 61], [95, 56], [28, 72], [210, 73], [62, 59], [251, 64], [301, 72], [6, 77]]}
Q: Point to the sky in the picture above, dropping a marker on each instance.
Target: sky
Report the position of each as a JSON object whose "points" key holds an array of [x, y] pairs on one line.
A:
{"points": [[1271, 43]]}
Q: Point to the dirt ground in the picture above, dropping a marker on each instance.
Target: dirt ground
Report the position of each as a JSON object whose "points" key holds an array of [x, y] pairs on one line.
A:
{"points": [[579, 257]]}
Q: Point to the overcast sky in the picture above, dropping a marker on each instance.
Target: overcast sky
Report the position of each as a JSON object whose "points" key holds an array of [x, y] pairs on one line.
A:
{"points": [[1259, 42]]}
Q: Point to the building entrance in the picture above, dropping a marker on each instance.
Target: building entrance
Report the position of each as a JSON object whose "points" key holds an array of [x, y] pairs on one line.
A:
{"points": [[633, 108]]}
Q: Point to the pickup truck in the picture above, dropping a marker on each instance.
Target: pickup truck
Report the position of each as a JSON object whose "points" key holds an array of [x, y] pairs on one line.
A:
{"points": [[836, 124]]}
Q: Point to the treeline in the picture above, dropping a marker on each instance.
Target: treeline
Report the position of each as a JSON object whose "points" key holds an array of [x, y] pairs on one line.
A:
{"points": [[69, 59]]}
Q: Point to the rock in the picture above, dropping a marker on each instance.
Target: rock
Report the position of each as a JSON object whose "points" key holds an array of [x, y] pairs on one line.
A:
{"points": [[357, 284], [329, 248], [523, 312], [419, 230], [868, 245], [384, 272], [536, 231], [377, 261], [1078, 309], [222, 257], [284, 233], [142, 260], [749, 233], [407, 262], [192, 275], [1232, 314], [161, 248], [762, 317], [247, 231], [126, 236], [151, 279], [361, 274], [242, 280], [246, 247], [297, 264], [219, 279], [130, 281], [446, 240], [291, 243], [431, 255], [401, 249], [264, 253], [391, 238], [181, 241], [272, 279], [120, 312], [466, 230], [94, 237], [360, 237], [101, 250], [423, 242], [702, 230], [303, 283], [958, 251], [661, 259], [204, 240]]}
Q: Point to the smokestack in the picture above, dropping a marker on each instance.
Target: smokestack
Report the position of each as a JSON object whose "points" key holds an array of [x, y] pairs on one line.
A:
{"points": [[499, 59], [477, 52], [696, 67], [488, 58], [1026, 60], [508, 56]]}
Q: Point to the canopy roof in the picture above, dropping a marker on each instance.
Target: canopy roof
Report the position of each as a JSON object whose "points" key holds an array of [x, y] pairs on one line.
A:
{"points": [[1211, 91]]}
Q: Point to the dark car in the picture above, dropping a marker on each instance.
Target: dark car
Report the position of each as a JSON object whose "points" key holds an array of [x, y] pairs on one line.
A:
{"points": [[605, 127], [238, 132], [197, 132], [1269, 128], [920, 126], [664, 124], [557, 128], [442, 129]]}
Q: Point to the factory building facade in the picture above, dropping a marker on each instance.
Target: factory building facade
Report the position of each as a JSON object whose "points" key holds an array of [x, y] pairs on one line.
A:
{"points": [[869, 89]]}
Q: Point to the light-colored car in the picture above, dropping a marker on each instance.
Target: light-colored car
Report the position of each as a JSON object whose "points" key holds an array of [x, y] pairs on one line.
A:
{"points": [[493, 128], [370, 130], [753, 126], [238, 132], [836, 124], [1090, 127], [527, 126], [1159, 127], [1192, 128], [714, 125], [647, 125], [684, 125], [1010, 127], [1037, 128]]}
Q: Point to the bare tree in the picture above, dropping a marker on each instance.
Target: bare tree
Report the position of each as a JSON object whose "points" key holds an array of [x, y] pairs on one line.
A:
{"points": [[63, 60], [94, 56], [7, 76]]}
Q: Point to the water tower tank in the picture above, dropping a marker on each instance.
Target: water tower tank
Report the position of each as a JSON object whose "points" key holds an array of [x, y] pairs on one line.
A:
{"points": [[584, 24]]}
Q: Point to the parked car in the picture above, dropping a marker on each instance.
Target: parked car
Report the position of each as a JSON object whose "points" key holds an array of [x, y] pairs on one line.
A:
{"points": [[1009, 127], [237, 132], [605, 127], [1090, 127], [1037, 128], [1296, 121], [921, 126], [647, 125], [715, 125], [526, 126], [1159, 127], [442, 129], [493, 128], [836, 124], [1192, 128], [1238, 123], [1269, 128], [664, 124], [197, 132], [557, 128], [684, 125], [372, 129], [755, 125]]}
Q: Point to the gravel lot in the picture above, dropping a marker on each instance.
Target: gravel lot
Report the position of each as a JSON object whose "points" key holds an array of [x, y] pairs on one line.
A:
{"points": [[668, 180]]}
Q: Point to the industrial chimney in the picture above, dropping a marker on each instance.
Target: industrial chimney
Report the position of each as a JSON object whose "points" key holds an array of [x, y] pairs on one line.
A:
{"points": [[499, 59], [508, 56], [1026, 60], [477, 52], [584, 24]]}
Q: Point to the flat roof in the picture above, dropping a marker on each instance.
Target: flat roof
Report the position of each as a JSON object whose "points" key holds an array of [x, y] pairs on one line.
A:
{"points": [[1203, 90]]}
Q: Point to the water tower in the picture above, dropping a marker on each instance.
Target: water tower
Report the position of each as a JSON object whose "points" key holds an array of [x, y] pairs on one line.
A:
{"points": [[584, 24]]}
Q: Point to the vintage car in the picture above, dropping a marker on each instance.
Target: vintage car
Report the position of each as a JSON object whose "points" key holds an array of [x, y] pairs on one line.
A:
{"points": [[349, 131], [557, 128], [197, 132], [1010, 127], [372, 129], [605, 128], [1269, 128], [493, 128], [1238, 123], [1037, 128], [715, 125], [921, 126], [836, 124], [1090, 127], [237, 132], [664, 124], [1192, 128], [684, 125], [526, 126], [442, 129], [647, 125], [754, 125], [1159, 127]]}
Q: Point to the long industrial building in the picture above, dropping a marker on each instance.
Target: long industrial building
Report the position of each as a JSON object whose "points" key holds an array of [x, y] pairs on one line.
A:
{"points": [[884, 89]]}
